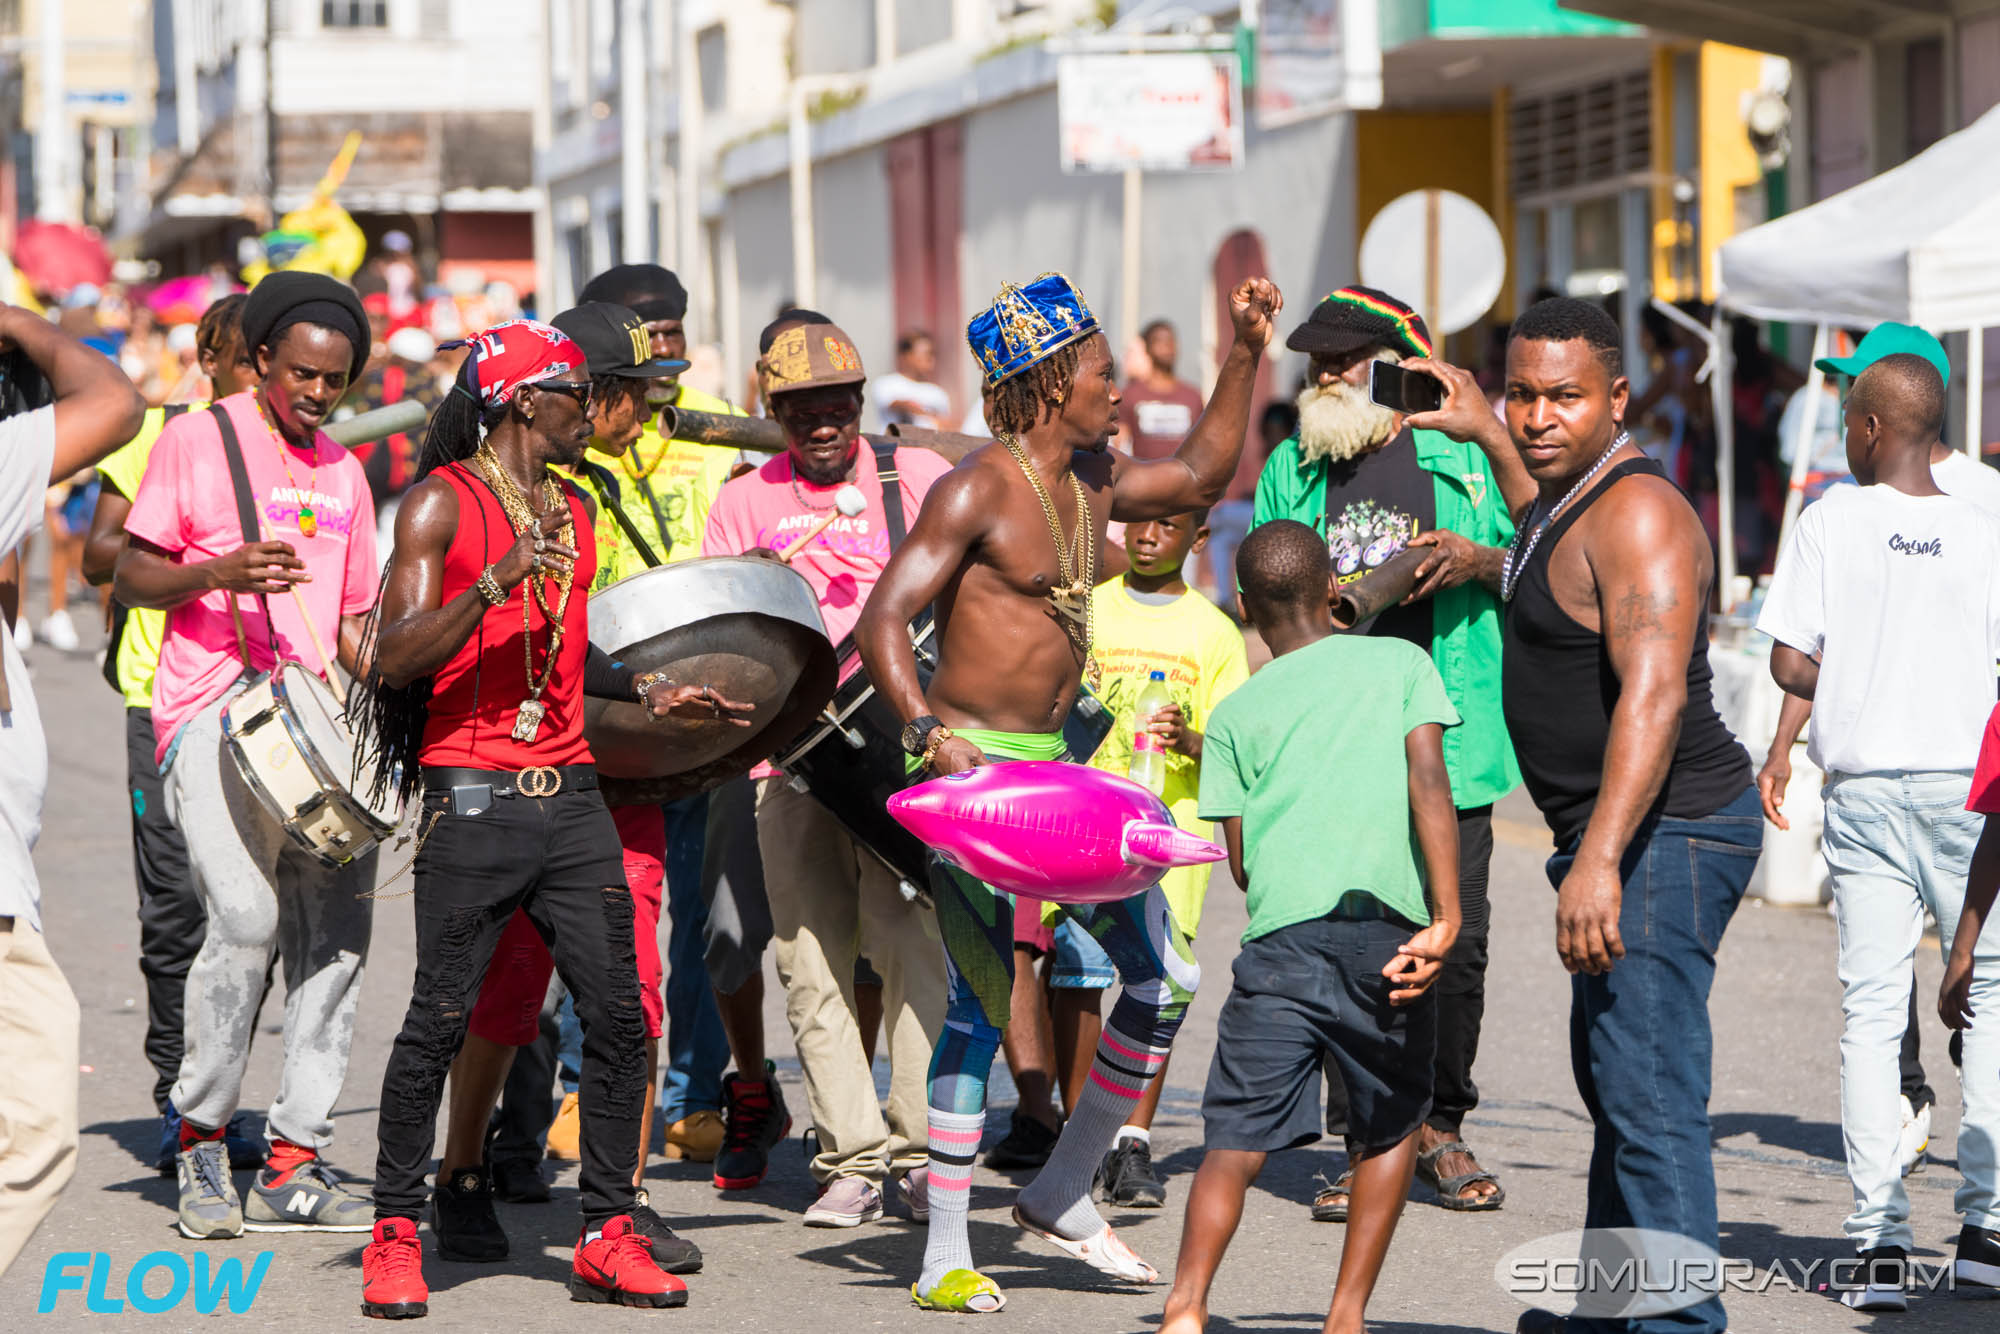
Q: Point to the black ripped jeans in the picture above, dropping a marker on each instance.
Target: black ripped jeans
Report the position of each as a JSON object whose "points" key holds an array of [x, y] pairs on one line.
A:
{"points": [[558, 857]]}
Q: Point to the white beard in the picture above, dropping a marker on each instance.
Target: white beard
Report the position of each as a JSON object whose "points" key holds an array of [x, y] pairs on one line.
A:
{"points": [[1339, 422]]}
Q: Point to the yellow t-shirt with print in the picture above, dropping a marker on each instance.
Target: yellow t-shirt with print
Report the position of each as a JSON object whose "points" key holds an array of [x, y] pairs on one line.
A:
{"points": [[1201, 651], [664, 489], [139, 645]]}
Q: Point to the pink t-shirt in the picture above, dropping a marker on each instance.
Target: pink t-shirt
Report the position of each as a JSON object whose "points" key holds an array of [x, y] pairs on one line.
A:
{"points": [[771, 508], [186, 506]]}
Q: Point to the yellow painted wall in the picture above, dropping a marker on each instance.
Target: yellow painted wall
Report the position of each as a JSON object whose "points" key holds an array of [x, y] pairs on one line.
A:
{"points": [[1400, 151], [1728, 162], [1664, 226]]}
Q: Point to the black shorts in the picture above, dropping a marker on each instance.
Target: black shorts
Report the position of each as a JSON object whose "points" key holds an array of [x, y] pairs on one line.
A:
{"points": [[1303, 994]]}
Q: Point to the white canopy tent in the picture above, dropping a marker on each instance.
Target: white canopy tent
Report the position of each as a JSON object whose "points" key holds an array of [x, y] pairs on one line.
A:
{"points": [[1918, 244]]}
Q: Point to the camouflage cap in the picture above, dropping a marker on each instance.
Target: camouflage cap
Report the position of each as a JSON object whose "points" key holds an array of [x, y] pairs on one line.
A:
{"points": [[808, 356]]}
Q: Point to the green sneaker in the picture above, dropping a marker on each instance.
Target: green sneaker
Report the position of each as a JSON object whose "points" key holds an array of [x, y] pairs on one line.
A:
{"points": [[963, 1291], [209, 1207]]}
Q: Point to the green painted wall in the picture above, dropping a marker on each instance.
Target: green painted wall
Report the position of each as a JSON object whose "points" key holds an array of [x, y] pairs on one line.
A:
{"points": [[1407, 20]]}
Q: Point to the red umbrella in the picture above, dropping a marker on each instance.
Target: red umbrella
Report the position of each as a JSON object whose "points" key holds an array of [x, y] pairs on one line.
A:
{"points": [[58, 256]]}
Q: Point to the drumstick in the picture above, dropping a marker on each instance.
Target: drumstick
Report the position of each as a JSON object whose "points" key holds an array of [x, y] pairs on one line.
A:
{"points": [[848, 502], [326, 660]]}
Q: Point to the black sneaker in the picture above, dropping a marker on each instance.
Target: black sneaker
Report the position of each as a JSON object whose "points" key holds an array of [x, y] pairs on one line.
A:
{"points": [[463, 1220], [1127, 1180], [1978, 1257], [757, 1121], [1027, 1143], [518, 1181], [1878, 1280], [673, 1254]]}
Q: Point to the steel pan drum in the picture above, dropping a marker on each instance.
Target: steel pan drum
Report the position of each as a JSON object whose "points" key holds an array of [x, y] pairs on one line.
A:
{"points": [[749, 627]]}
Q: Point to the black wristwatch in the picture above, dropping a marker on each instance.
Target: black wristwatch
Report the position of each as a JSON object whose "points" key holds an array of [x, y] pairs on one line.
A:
{"points": [[917, 732]]}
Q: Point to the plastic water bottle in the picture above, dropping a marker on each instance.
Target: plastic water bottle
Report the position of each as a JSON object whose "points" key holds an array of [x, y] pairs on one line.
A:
{"points": [[1149, 752]]}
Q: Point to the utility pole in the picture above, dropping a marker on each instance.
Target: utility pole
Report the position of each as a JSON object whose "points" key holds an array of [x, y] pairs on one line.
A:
{"points": [[635, 124], [54, 199]]}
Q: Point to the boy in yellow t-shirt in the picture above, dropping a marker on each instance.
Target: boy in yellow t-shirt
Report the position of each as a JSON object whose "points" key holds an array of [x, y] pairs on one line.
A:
{"points": [[1146, 620]]}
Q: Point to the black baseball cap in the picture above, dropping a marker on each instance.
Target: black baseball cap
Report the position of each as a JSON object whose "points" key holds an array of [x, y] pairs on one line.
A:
{"points": [[615, 342]]}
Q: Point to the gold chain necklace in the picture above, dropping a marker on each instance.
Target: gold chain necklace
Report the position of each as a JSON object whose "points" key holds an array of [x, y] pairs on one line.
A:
{"points": [[522, 518], [1076, 564]]}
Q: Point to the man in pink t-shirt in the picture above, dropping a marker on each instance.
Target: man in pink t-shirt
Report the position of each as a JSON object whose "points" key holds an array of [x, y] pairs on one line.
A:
{"points": [[831, 899], [235, 608]]}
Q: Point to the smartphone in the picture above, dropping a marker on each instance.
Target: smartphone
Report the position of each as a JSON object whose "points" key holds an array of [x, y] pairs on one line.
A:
{"points": [[1404, 391]]}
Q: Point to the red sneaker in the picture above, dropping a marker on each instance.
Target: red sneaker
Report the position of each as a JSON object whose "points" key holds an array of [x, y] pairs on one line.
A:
{"points": [[618, 1267], [392, 1272]]}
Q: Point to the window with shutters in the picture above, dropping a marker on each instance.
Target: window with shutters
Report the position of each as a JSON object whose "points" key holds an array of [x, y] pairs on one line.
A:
{"points": [[354, 13], [1572, 139]]}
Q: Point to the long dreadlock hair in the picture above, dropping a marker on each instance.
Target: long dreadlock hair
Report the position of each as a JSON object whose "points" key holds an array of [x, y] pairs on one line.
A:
{"points": [[388, 721], [1015, 406]]}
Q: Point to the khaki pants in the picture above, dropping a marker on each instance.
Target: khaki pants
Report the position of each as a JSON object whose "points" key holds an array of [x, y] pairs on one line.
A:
{"points": [[38, 1052], [831, 902]]}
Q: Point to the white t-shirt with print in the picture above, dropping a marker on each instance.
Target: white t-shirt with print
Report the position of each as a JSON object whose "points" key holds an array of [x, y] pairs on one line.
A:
{"points": [[27, 452], [1899, 597]]}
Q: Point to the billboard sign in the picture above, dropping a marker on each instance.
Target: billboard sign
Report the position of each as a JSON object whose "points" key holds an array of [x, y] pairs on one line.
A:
{"points": [[1153, 111]]}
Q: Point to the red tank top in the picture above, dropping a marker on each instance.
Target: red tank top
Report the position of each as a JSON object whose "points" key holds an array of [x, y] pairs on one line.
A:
{"points": [[476, 695]]}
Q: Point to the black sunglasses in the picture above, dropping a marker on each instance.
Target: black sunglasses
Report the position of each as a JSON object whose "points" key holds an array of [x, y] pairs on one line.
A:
{"points": [[579, 390]]}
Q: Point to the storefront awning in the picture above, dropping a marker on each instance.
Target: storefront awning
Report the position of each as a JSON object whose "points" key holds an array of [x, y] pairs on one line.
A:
{"points": [[1785, 27]]}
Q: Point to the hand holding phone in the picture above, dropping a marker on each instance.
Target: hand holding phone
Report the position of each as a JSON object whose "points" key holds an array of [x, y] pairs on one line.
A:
{"points": [[1404, 391]]}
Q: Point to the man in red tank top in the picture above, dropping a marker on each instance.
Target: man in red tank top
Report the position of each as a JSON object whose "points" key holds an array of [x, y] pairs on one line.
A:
{"points": [[481, 667]]}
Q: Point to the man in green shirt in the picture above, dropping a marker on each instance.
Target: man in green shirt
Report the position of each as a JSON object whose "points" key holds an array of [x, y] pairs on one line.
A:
{"points": [[1375, 484]]}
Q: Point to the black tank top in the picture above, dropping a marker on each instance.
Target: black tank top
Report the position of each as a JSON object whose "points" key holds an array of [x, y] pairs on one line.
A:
{"points": [[1559, 691]]}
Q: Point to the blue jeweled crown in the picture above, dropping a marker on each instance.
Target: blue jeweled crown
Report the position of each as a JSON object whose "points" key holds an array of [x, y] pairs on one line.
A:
{"points": [[1026, 324]]}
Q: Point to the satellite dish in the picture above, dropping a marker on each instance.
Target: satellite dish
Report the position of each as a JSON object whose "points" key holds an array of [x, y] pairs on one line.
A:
{"points": [[1438, 251]]}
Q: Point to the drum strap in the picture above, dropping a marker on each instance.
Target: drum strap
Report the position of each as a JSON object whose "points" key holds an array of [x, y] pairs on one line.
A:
{"points": [[246, 514], [892, 491], [606, 486]]}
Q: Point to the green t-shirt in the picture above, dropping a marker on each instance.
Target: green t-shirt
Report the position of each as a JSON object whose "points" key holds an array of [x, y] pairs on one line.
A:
{"points": [[1309, 753]]}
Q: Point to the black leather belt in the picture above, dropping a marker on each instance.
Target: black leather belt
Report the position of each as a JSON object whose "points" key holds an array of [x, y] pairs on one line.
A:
{"points": [[541, 780]]}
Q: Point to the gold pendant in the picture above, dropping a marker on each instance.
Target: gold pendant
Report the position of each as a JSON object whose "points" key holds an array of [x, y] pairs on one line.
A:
{"points": [[1093, 673], [528, 720]]}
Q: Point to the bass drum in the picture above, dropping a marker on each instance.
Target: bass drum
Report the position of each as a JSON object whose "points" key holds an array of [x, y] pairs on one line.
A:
{"points": [[747, 626], [851, 760]]}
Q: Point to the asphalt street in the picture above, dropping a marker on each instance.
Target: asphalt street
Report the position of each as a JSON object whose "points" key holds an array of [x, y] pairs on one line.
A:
{"points": [[1775, 1109]]}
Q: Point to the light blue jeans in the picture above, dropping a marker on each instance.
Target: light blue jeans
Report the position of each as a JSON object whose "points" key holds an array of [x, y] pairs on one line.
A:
{"points": [[1898, 843]]}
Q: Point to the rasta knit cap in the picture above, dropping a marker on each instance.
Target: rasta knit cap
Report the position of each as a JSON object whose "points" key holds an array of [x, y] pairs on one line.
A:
{"points": [[289, 296]]}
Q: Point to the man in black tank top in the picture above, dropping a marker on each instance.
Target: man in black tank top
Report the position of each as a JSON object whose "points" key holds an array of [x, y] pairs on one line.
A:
{"points": [[1656, 821]]}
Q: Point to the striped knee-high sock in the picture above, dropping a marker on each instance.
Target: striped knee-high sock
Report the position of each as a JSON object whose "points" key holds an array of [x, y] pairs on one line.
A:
{"points": [[1059, 1198], [954, 1148]]}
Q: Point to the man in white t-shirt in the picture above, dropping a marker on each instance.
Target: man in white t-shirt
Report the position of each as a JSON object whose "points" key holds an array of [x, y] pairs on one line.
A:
{"points": [[1956, 474], [1886, 612], [96, 409], [909, 395]]}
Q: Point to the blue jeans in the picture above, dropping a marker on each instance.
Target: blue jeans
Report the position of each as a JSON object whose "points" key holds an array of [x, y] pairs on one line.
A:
{"points": [[697, 1048], [1639, 1039], [1896, 845]]}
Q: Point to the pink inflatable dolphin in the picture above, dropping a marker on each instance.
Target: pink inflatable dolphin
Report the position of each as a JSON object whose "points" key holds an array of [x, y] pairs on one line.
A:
{"points": [[1066, 833]]}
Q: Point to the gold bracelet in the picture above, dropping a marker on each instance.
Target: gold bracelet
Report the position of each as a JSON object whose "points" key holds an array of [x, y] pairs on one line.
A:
{"points": [[489, 588], [939, 735], [645, 681]]}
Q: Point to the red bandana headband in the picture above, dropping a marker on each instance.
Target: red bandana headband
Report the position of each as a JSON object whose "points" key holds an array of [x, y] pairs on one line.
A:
{"points": [[519, 352]]}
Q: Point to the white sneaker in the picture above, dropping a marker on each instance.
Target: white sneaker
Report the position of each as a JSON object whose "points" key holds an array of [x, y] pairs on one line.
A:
{"points": [[1915, 1140], [60, 632], [24, 638]]}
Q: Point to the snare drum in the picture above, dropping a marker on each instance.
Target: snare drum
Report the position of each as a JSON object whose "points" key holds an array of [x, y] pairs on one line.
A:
{"points": [[288, 734], [851, 760]]}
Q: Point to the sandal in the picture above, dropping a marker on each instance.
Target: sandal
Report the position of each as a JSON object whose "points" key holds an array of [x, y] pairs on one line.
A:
{"points": [[1330, 1205], [963, 1291], [1451, 1190], [1102, 1252]]}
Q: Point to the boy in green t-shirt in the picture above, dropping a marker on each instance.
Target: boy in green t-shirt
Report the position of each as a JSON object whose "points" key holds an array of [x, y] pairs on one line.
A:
{"points": [[1327, 772], [1145, 620]]}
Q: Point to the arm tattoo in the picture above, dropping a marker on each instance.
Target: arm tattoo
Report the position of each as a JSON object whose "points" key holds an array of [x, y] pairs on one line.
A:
{"points": [[1642, 616]]}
